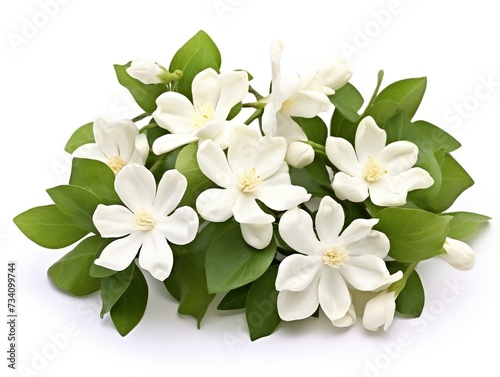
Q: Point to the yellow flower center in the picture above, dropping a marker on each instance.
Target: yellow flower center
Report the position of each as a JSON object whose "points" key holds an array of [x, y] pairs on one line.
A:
{"points": [[373, 170], [287, 105], [204, 113], [116, 163], [336, 256], [249, 180], [144, 220]]}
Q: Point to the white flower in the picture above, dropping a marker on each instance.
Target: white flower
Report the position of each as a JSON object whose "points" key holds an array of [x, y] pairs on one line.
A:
{"points": [[254, 170], [458, 254], [146, 71], [329, 263], [373, 169], [292, 96], [205, 119], [148, 221], [334, 75], [116, 144], [299, 154], [379, 311]]}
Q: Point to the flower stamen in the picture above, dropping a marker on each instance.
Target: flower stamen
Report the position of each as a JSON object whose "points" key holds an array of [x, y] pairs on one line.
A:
{"points": [[116, 163], [336, 256], [373, 170], [249, 180], [203, 113], [144, 220]]}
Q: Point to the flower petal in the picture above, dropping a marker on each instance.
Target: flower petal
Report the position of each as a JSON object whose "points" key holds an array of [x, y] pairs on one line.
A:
{"points": [[156, 256], [234, 87], [169, 142], [141, 150], [347, 320], [296, 229], [113, 220], [415, 178], [268, 155], [296, 272], [171, 189], [211, 129], [246, 210], [206, 88], [354, 189], [180, 227], [379, 311], [366, 272], [458, 254], [375, 243], [214, 165], [136, 187], [174, 113], [257, 235], [398, 156], [334, 296], [90, 151], [341, 153], [282, 197], [329, 220], [299, 305], [357, 231], [215, 204], [370, 139], [118, 255]]}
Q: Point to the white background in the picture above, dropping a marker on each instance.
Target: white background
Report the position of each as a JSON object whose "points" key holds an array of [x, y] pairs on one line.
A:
{"points": [[58, 75]]}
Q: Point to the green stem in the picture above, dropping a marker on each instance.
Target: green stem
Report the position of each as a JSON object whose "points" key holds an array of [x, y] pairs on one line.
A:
{"points": [[375, 92], [140, 117], [257, 95], [255, 105], [158, 163], [257, 114], [399, 285]]}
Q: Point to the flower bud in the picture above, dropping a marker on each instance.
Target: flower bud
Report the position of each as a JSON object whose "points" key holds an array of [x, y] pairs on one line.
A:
{"points": [[299, 154], [335, 74], [379, 311], [347, 320], [458, 254], [146, 71]]}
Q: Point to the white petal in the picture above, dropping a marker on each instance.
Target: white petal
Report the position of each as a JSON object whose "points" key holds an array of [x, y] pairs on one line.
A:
{"points": [[267, 155], [398, 156], [234, 87], [206, 88], [118, 255], [180, 227], [242, 147], [211, 129], [141, 150], [329, 220], [299, 154], [370, 139], [354, 189], [375, 243], [90, 151], [216, 205], [415, 178], [171, 189], [257, 235], [144, 70], [458, 254], [289, 129], [296, 272], [276, 51], [334, 296], [296, 229], [136, 187], [366, 272], [169, 142], [213, 164], [341, 153], [307, 104], [299, 305], [113, 221], [279, 178], [123, 133], [282, 197], [357, 231], [174, 113], [156, 256], [388, 191], [347, 320], [246, 210], [379, 311], [335, 74]]}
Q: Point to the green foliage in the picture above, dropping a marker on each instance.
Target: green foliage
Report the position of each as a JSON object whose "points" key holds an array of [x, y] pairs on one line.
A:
{"points": [[465, 224], [410, 301], [83, 135]]}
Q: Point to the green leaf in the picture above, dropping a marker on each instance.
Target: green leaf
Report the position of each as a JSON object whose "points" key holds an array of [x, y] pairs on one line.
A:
{"points": [[347, 101], [382, 111], [76, 202], [411, 299], [314, 128], [49, 227], [130, 307], [407, 94], [435, 137], [262, 305], [465, 224], [187, 165], [114, 286], [232, 263], [235, 298], [71, 272], [313, 177], [196, 55], [83, 135], [144, 94], [414, 234], [96, 177]]}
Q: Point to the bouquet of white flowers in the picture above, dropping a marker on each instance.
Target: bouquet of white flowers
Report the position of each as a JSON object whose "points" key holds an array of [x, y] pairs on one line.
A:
{"points": [[272, 208]]}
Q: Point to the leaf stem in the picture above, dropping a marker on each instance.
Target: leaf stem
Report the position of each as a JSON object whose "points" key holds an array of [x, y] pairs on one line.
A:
{"points": [[380, 77], [257, 114]]}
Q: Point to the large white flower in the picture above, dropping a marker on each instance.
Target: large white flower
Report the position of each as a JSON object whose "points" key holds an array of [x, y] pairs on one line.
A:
{"points": [[116, 144], [329, 263], [458, 254], [379, 311], [254, 170], [292, 96], [206, 118], [383, 172], [147, 221]]}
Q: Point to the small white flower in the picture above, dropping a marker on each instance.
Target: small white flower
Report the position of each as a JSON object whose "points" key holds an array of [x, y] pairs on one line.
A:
{"points": [[384, 173], [379, 311], [146, 71], [116, 144], [458, 254], [328, 262], [334, 75], [291, 96], [205, 119], [148, 221], [299, 154], [254, 170]]}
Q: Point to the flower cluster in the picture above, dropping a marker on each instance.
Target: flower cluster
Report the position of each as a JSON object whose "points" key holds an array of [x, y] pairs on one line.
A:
{"points": [[259, 200]]}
